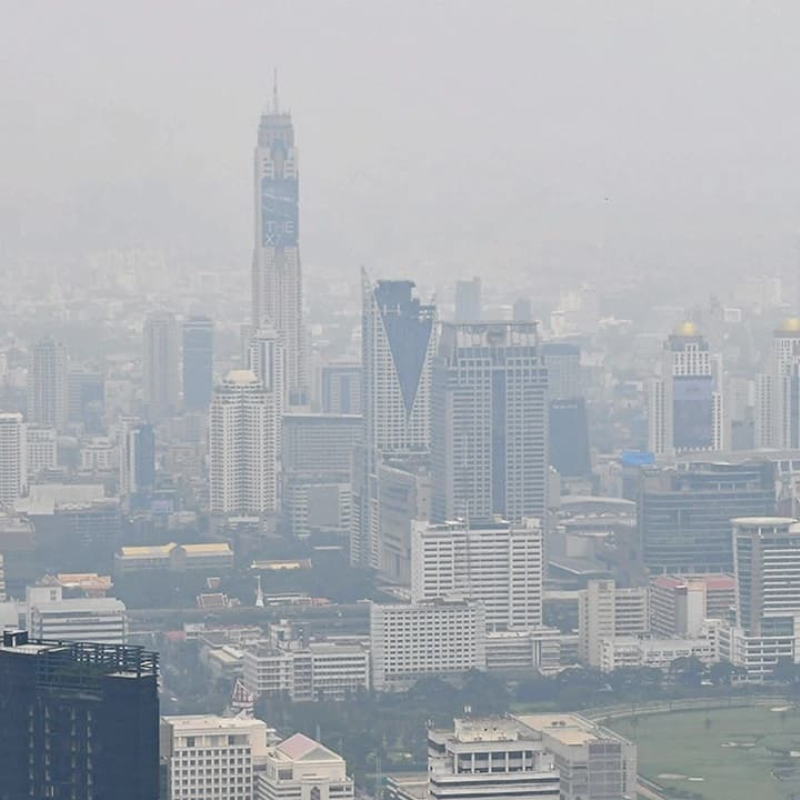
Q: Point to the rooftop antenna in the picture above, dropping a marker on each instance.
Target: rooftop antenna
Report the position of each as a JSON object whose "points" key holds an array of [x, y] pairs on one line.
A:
{"points": [[275, 104]]}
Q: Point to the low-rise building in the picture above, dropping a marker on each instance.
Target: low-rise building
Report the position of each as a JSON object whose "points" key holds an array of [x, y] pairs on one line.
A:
{"points": [[208, 556], [629, 651], [508, 651], [594, 763], [216, 758], [485, 759], [301, 769], [80, 620]]}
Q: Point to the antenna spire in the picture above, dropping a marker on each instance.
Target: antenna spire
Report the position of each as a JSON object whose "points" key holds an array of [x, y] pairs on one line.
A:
{"points": [[275, 104]]}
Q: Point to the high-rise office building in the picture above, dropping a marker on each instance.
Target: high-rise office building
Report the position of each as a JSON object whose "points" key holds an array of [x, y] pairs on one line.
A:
{"points": [[79, 720], [198, 362], [684, 515], [495, 563], [160, 365], [242, 447], [137, 459], [13, 464], [489, 429], [777, 413], [266, 358], [685, 403], [48, 400], [398, 343], [468, 300], [340, 388], [87, 399], [277, 276]]}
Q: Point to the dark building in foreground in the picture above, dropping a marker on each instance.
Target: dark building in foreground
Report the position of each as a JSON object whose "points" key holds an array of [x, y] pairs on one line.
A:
{"points": [[79, 720]]}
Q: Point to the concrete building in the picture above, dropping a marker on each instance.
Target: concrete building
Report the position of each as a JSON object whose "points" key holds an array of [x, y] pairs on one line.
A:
{"points": [[161, 374], [512, 651], [13, 454], [216, 758], [48, 399], [86, 398], [98, 454], [41, 449], [198, 362], [85, 619], [211, 557], [468, 301], [484, 759], [137, 460], [680, 604], [777, 411], [606, 612], [340, 388], [315, 477], [624, 652], [243, 458], [684, 514], [301, 769], [433, 637], [496, 563], [266, 358], [398, 343], [489, 431], [594, 763], [685, 403], [277, 278]]}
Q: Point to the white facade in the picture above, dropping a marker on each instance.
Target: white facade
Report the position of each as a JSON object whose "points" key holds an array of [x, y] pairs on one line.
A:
{"points": [[301, 769], [777, 415], [13, 468], [605, 612], [433, 637], [498, 564], [242, 447], [41, 449], [266, 358], [687, 367], [758, 655], [100, 619], [215, 758], [485, 759], [630, 651], [537, 648], [99, 455], [594, 763]]}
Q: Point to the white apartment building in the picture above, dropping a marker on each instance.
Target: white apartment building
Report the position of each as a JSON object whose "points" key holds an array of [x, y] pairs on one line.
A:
{"points": [[498, 564], [594, 763], [316, 671], [777, 393], [606, 612], [537, 648], [485, 759], [301, 769], [99, 454], [87, 619], [242, 447], [432, 637], [214, 758], [13, 469], [41, 449]]}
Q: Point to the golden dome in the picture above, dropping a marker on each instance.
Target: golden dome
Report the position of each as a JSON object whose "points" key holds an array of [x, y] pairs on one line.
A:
{"points": [[686, 329], [790, 325]]}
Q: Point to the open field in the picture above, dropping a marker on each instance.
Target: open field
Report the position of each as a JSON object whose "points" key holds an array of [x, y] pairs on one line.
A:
{"points": [[724, 754]]}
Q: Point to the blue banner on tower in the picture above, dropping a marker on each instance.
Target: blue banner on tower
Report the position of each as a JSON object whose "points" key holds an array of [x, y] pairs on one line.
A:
{"points": [[279, 212]]}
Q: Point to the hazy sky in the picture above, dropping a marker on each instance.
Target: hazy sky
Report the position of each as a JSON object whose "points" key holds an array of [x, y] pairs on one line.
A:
{"points": [[447, 135]]}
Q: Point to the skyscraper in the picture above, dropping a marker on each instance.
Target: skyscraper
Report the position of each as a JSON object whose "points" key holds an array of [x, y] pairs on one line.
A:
{"points": [[198, 362], [160, 365], [13, 466], [137, 460], [48, 401], [398, 343], [79, 720], [468, 300], [685, 404], [277, 276], [489, 450], [266, 358], [242, 448], [777, 417]]}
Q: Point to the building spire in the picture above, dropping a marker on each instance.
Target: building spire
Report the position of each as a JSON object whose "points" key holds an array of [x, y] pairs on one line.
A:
{"points": [[275, 103]]}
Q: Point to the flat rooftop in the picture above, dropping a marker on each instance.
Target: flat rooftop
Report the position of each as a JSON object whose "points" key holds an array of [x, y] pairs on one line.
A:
{"points": [[209, 722], [569, 729]]}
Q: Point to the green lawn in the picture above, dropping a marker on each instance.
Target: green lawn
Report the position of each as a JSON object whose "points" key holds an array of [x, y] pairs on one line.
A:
{"points": [[690, 744]]}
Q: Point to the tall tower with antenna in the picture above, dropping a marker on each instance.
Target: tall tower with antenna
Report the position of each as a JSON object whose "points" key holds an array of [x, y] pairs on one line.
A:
{"points": [[277, 280]]}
